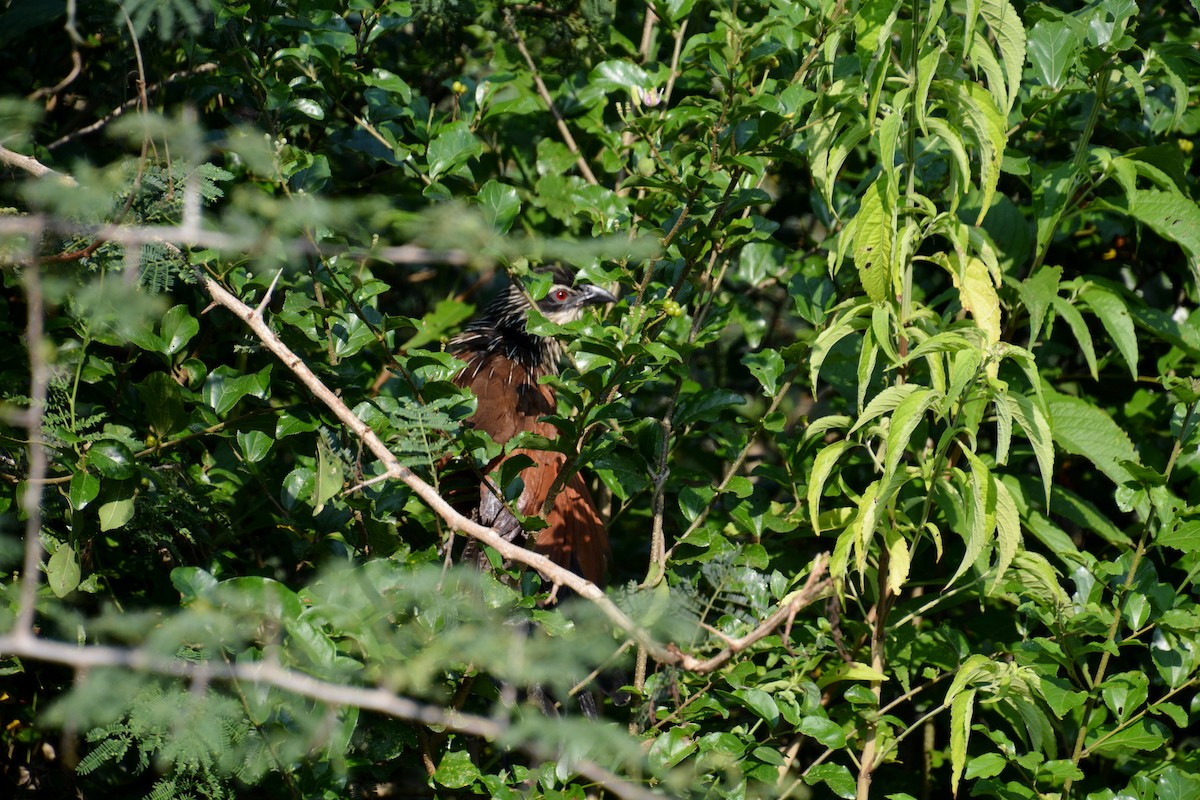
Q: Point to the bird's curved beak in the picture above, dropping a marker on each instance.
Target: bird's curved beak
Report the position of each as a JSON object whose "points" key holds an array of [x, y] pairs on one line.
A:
{"points": [[590, 295]]}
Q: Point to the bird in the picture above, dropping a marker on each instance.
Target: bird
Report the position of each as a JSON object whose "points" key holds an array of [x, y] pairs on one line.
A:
{"points": [[503, 364]]}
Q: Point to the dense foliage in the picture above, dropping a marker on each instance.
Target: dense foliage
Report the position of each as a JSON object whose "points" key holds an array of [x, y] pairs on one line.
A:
{"points": [[908, 300]]}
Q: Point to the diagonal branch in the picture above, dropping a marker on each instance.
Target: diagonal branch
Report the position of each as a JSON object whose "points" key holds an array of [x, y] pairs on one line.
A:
{"points": [[544, 92], [816, 586], [21, 643]]}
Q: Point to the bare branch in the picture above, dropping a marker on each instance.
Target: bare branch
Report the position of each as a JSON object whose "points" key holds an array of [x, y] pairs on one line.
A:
{"points": [[130, 104], [218, 240], [32, 166], [559, 120], [815, 587], [31, 500], [337, 694]]}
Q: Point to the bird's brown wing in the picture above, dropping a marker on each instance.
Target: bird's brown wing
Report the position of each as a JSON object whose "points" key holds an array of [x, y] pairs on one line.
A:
{"points": [[510, 400]]}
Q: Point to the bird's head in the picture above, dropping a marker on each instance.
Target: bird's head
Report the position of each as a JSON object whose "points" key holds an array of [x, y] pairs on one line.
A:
{"points": [[564, 302], [503, 326]]}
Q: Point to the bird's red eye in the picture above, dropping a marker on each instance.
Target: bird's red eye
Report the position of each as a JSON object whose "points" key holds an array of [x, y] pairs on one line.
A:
{"points": [[561, 295]]}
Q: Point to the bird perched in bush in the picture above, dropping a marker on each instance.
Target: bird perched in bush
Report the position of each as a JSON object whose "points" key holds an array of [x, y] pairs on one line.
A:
{"points": [[504, 362]]}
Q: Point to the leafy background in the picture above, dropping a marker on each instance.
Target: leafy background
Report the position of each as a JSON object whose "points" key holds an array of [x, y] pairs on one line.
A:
{"points": [[912, 285]]}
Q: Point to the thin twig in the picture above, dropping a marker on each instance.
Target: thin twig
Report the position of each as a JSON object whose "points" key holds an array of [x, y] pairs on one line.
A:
{"points": [[33, 167], [218, 240], [559, 120], [31, 499], [22, 643]]}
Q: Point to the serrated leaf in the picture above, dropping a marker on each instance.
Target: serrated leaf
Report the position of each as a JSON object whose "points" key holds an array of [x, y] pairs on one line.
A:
{"points": [[1008, 530], [1082, 429], [882, 403], [1145, 734], [874, 232], [1114, 315], [1052, 47], [1038, 293], [978, 296], [451, 148], [328, 478], [1080, 329], [908, 414], [1171, 215], [1184, 537], [975, 110], [1009, 33], [982, 519], [961, 710], [1037, 430], [899, 558], [823, 465]]}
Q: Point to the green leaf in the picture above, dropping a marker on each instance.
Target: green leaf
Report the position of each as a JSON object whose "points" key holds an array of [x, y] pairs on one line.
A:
{"points": [[1008, 530], [1038, 292], [961, 709], [1037, 430], [873, 234], [162, 399], [62, 571], [887, 400], [614, 75], [988, 765], [178, 328], [1183, 536], [1006, 27], [1079, 328], [975, 111], [760, 703], [85, 487], [909, 413], [255, 445], [767, 366], [672, 747], [500, 205], [112, 459], [456, 770], [329, 476], [983, 513], [115, 513], [1171, 215], [978, 296], [823, 465], [1145, 734], [1114, 314], [226, 386], [451, 148], [824, 730], [1052, 47], [836, 776], [1082, 429]]}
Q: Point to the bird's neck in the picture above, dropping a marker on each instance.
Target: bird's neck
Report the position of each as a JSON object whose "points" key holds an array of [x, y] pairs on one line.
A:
{"points": [[509, 339]]}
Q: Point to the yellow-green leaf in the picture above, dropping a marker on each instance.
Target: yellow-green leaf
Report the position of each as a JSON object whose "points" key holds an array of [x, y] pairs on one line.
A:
{"points": [[874, 233]]}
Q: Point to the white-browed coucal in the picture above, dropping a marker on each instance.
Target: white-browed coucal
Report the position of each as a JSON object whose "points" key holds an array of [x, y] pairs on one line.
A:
{"points": [[504, 362]]}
